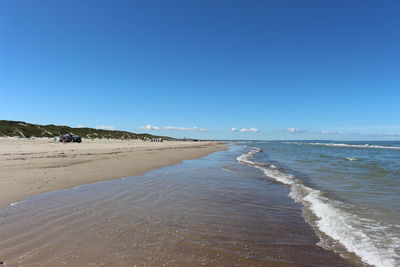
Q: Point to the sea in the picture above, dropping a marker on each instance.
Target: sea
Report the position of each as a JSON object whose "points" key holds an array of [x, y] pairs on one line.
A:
{"points": [[349, 192], [259, 203]]}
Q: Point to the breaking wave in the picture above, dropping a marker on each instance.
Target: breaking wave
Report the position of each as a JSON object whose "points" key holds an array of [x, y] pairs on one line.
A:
{"points": [[364, 237]]}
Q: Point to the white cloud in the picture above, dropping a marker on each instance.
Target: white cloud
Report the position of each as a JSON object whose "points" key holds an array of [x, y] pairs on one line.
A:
{"points": [[193, 129], [245, 130], [250, 130], [295, 130], [102, 127], [149, 127], [173, 128], [81, 126]]}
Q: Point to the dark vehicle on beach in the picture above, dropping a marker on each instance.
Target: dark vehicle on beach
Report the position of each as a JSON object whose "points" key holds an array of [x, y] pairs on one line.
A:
{"points": [[76, 138], [67, 138]]}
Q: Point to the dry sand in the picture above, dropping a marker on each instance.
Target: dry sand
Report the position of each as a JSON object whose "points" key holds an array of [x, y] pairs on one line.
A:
{"points": [[33, 166]]}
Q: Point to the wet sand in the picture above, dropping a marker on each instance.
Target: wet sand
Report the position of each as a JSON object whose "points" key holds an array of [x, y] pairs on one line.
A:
{"points": [[211, 211], [32, 166]]}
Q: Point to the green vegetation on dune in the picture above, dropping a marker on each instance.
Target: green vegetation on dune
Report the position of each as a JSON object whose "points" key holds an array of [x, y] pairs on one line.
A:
{"points": [[23, 129]]}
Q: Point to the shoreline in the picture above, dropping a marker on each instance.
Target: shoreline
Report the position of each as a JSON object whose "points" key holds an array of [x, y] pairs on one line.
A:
{"points": [[33, 166], [207, 211]]}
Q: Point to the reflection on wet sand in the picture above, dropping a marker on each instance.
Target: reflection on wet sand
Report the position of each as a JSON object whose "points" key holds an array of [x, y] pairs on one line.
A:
{"points": [[211, 211]]}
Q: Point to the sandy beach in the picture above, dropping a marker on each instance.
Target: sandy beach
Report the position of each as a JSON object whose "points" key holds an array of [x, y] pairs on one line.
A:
{"points": [[209, 211], [33, 166]]}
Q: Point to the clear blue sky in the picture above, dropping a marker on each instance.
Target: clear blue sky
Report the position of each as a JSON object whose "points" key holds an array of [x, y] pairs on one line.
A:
{"points": [[288, 69]]}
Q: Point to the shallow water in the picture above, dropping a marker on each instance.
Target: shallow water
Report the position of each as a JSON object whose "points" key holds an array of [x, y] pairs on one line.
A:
{"points": [[212, 211], [350, 192]]}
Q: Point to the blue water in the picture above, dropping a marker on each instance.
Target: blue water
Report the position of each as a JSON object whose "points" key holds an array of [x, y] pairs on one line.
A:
{"points": [[350, 191]]}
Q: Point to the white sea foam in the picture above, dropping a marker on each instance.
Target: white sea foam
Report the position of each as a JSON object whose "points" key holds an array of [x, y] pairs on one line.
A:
{"points": [[278, 175], [245, 158], [365, 238], [351, 159], [344, 145], [355, 233]]}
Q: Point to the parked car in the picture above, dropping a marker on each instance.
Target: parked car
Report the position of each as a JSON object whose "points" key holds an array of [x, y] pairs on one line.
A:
{"points": [[76, 138], [67, 138]]}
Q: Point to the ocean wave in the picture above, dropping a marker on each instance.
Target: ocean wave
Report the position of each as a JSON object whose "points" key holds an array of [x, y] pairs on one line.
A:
{"points": [[344, 145], [366, 238], [351, 159], [245, 158]]}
